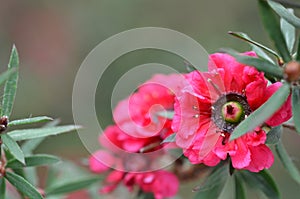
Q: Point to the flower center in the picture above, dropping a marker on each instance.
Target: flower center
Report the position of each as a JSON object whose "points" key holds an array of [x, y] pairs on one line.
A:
{"points": [[232, 112], [229, 110]]}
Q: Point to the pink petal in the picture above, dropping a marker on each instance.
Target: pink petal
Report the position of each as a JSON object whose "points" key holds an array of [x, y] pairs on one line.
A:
{"points": [[261, 158], [101, 161], [284, 113], [255, 92], [241, 158]]}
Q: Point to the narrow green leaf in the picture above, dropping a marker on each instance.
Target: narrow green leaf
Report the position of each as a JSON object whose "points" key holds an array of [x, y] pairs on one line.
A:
{"points": [[166, 114], [262, 181], [13, 147], [26, 134], [257, 47], [215, 181], [239, 188], [289, 4], [31, 145], [298, 51], [289, 33], [33, 161], [30, 120], [11, 84], [274, 135], [263, 113], [7, 74], [170, 138], [71, 186], [23, 186], [285, 14], [271, 23], [261, 65], [2, 188], [287, 162], [296, 107]]}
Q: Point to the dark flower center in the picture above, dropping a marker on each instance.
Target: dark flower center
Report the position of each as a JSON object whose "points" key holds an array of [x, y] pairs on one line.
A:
{"points": [[229, 110]]}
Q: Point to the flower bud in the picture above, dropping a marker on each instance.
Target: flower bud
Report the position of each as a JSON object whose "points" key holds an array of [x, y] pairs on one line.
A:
{"points": [[292, 71]]}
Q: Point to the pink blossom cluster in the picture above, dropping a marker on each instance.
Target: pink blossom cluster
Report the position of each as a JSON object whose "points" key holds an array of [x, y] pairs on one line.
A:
{"points": [[207, 107]]}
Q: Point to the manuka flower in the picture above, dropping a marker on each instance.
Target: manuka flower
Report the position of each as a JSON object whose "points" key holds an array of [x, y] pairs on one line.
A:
{"points": [[125, 164], [214, 103], [140, 114]]}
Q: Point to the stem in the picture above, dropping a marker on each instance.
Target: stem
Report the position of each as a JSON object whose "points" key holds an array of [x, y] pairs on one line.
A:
{"points": [[289, 126]]}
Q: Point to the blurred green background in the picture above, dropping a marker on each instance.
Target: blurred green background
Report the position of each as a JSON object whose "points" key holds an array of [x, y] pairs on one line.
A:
{"points": [[54, 37]]}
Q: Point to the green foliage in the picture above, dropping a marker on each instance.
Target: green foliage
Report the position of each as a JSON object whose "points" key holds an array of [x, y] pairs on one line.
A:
{"points": [[296, 107], [33, 161], [68, 187], [274, 135], [166, 114], [7, 74], [2, 188], [23, 186], [170, 138], [256, 47], [287, 162], [239, 188], [260, 64], [27, 134], [272, 25], [289, 33], [285, 13], [213, 184], [30, 120], [262, 113], [18, 168], [13, 147], [10, 88], [261, 181]]}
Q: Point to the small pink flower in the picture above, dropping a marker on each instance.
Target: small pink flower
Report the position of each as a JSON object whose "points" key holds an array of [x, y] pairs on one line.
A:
{"points": [[138, 115], [214, 103], [122, 152]]}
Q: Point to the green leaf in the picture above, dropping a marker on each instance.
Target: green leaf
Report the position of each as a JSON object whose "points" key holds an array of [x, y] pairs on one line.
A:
{"points": [[30, 120], [271, 23], [285, 14], [296, 107], [239, 188], [23, 186], [263, 113], [257, 47], [71, 186], [289, 33], [214, 183], [26, 134], [261, 65], [2, 188], [170, 138], [13, 147], [7, 74], [11, 84], [33, 161], [262, 181], [287, 162], [31, 145], [274, 135], [166, 114]]}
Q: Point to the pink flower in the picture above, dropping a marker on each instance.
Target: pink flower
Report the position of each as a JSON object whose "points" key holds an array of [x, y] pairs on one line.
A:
{"points": [[161, 183], [123, 153], [214, 103], [138, 115]]}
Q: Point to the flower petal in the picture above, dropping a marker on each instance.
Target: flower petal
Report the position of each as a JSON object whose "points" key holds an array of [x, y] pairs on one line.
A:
{"points": [[284, 113]]}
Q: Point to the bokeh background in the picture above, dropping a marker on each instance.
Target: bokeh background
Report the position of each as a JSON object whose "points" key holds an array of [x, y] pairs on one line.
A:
{"points": [[54, 37]]}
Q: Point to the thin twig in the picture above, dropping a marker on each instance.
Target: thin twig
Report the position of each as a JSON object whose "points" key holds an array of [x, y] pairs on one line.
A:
{"points": [[289, 126]]}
